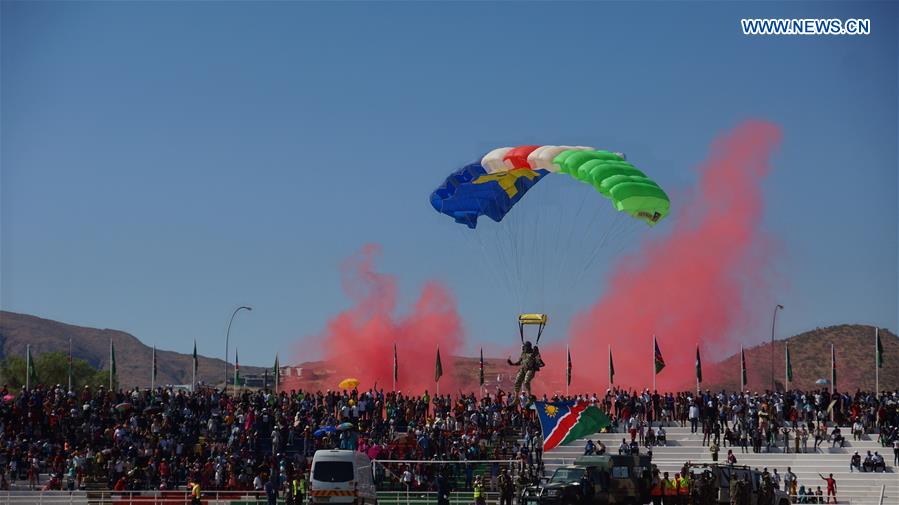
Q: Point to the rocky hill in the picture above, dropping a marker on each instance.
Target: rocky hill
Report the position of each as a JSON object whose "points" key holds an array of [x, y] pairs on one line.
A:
{"points": [[810, 356], [133, 358]]}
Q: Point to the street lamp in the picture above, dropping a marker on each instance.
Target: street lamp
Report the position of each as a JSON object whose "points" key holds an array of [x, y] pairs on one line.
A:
{"points": [[773, 322], [228, 337]]}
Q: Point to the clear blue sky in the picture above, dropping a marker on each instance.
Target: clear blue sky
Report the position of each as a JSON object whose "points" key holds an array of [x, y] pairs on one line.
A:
{"points": [[164, 162]]}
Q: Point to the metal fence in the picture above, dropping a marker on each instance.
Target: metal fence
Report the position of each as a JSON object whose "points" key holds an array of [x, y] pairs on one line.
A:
{"points": [[129, 498], [209, 498]]}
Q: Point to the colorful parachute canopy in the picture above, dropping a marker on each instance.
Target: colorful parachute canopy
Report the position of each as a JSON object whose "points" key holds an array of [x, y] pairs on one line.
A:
{"points": [[492, 186]]}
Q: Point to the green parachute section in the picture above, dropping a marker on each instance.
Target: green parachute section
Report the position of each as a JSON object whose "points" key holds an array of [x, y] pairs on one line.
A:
{"points": [[628, 188]]}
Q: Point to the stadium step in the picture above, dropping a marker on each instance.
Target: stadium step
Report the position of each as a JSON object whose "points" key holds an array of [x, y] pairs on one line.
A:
{"points": [[683, 446]]}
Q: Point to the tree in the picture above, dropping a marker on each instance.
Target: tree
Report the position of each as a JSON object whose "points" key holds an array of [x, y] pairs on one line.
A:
{"points": [[52, 368]]}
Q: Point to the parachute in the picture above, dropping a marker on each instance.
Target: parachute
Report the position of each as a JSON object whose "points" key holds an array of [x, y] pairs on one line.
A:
{"points": [[499, 180]]}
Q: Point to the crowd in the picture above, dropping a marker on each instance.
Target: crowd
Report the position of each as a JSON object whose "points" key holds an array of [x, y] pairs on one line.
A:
{"points": [[167, 439]]}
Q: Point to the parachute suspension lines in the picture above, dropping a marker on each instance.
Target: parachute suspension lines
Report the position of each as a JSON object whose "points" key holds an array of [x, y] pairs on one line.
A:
{"points": [[541, 245]]}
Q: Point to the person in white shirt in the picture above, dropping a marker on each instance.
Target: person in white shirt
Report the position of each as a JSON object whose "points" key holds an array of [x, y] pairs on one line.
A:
{"points": [[693, 415]]}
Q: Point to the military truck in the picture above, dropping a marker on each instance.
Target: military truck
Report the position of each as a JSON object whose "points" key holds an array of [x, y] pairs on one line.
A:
{"points": [[595, 480], [713, 484]]}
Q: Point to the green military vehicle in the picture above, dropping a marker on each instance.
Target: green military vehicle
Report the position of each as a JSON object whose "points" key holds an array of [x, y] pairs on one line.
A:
{"points": [[595, 480], [713, 484]]}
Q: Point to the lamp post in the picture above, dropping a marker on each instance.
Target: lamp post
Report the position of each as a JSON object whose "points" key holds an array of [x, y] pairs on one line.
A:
{"points": [[773, 322], [228, 337]]}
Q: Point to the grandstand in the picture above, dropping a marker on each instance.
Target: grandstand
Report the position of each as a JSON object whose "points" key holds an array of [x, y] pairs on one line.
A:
{"points": [[855, 488]]}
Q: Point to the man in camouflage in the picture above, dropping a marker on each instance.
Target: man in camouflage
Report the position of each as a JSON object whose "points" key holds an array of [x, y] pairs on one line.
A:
{"points": [[528, 365]]}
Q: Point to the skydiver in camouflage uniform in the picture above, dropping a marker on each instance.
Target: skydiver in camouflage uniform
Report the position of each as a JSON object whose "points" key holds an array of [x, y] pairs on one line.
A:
{"points": [[527, 364]]}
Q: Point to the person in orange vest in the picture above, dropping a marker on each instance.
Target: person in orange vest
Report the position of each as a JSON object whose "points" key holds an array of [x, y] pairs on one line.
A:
{"points": [[669, 493], [195, 493], [683, 489], [655, 489]]}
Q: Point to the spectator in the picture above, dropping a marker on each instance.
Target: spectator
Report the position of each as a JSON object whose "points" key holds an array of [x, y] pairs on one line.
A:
{"points": [[855, 463], [831, 487]]}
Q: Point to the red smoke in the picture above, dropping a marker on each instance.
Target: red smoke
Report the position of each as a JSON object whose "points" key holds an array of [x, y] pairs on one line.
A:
{"points": [[359, 341], [701, 283]]}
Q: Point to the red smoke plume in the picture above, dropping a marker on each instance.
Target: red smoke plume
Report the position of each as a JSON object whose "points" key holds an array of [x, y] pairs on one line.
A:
{"points": [[359, 341], [700, 284]]}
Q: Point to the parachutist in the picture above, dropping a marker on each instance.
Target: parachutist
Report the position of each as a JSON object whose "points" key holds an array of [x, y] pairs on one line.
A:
{"points": [[529, 363]]}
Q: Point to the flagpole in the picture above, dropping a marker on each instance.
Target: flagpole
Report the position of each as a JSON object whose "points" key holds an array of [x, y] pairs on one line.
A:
{"points": [[236, 370], [697, 370], [153, 371], [70, 363], [832, 365], [441, 371], [394, 367], [787, 364], [567, 368], [111, 358], [27, 367], [876, 362], [611, 379], [653, 362], [742, 368], [193, 366]]}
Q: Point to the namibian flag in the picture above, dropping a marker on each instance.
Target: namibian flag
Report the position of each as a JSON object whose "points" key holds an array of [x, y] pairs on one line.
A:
{"points": [[657, 356], [565, 422]]}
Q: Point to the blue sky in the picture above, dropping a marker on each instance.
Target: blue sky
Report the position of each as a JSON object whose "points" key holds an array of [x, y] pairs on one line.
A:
{"points": [[163, 163]]}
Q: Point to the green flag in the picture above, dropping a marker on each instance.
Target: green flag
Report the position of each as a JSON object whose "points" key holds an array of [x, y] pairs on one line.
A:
{"points": [[879, 358], [743, 367], [112, 370], [611, 367], [659, 361], [833, 367], [481, 369], [438, 368], [276, 371], [30, 372], [698, 367], [789, 365], [236, 369]]}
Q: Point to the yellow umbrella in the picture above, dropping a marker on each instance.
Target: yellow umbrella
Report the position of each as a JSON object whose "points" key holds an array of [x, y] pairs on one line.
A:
{"points": [[349, 383]]}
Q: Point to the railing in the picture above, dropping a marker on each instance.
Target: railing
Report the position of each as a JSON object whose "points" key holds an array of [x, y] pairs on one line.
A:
{"points": [[430, 497], [210, 498], [129, 497]]}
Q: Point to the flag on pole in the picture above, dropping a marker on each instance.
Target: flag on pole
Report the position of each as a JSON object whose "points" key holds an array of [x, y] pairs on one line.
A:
{"points": [[789, 364], [833, 366], [69, 375], [481, 369], [153, 375], [438, 367], [698, 367], [611, 367], [30, 372], [236, 368], [659, 361], [276, 371], [742, 368], [396, 367], [112, 370], [568, 369], [879, 358], [194, 367]]}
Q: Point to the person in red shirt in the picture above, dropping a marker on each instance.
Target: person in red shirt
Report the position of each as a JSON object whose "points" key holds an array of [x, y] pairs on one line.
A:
{"points": [[831, 487]]}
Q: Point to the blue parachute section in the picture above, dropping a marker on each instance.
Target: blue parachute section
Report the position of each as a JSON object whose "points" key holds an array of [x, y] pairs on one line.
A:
{"points": [[471, 192]]}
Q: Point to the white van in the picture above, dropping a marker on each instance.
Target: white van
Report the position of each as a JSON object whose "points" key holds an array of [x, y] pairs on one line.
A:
{"points": [[342, 476]]}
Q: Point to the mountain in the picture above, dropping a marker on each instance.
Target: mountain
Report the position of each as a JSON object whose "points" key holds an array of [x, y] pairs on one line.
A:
{"points": [[810, 356], [133, 358]]}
